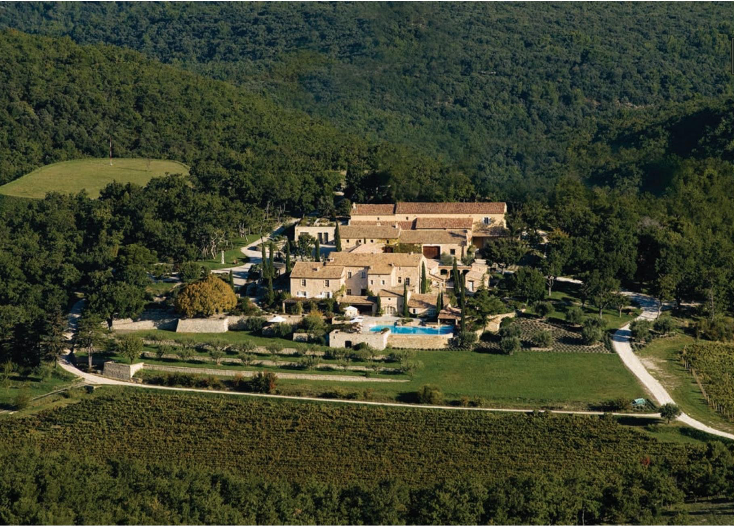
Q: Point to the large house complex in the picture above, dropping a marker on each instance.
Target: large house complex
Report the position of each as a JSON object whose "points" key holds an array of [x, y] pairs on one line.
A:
{"points": [[430, 228]]}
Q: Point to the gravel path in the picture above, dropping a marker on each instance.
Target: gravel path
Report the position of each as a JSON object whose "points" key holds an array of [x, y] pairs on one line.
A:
{"points": [[621, 343]]}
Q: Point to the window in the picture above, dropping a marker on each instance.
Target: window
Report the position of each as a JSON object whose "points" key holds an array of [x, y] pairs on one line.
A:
{"points": [[349, 292], [452, 251], [406, 218], [487, 220], [407, 281], [363, 292], [400, 280], [326, 283], [372, 240], [303, 283], [364, 274], [326, 237], [383, 281], [349, 274], [372, 282]]}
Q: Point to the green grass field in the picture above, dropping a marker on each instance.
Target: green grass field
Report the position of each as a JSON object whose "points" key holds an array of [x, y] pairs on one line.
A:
{"points": [[525, 379], [661, 357], [44, 381], [89, 174]]}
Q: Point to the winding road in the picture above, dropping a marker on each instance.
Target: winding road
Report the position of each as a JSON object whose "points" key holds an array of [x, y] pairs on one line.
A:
{"points": [[621, 343]]}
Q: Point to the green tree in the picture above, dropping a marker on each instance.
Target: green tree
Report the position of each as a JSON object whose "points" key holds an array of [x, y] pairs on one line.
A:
{"points": [[544, 309], [574, 315], [317, 251], [53, 341], [206, 298], [669, 412], [189, 271], [89, 334], [424, 279], [529, 284], [406, 311], [483, 305], [430, 394], [130, 346], [338, 238]]}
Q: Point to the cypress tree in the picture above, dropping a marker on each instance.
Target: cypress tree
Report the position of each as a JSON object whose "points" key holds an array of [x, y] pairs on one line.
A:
{"points": [[288, 256], [265, 261], [317, 251], [406, 312], [439, 302], [230, 280], [424, 279], [338, 238], [379, 305]]}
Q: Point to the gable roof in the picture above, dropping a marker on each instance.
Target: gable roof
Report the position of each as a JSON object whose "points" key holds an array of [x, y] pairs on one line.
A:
{"points": [[422, 301], [438, 223], [369, 232], [313, 269], [354, 259], [433, 237], [372, 210], [450, 208]]}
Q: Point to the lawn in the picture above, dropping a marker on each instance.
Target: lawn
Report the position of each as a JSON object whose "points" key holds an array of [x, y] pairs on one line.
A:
{"points": [[566, 293], [661, 359], [232, 257], [44, 381], [89, 174], [525, 379]]}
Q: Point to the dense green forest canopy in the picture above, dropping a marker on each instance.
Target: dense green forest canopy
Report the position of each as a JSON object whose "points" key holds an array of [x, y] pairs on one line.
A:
{"points": [[498, 89]]}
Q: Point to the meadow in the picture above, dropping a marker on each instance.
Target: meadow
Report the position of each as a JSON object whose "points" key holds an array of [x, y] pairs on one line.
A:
{"points": [[89, 174]]}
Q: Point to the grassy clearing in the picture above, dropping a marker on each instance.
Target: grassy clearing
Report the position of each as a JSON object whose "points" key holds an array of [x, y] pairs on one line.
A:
{"points": [[89, 174], [43, 381], [566, 294], [552, 380], [232, 257], [661, 358]]}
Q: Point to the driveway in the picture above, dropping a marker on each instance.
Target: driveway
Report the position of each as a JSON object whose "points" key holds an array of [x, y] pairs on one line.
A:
{"points": [[621, 344]]}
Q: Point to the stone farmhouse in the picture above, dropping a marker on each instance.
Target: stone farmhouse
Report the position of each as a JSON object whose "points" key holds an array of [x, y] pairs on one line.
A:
{"points": [[431, 228]]}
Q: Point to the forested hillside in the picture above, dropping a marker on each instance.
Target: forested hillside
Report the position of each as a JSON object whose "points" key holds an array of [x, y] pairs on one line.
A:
{"points": [[498, 89]]}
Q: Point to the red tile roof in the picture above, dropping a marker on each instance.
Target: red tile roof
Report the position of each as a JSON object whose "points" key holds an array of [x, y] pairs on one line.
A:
{"points": [[450, 208], [372, 210], [438, 223]]}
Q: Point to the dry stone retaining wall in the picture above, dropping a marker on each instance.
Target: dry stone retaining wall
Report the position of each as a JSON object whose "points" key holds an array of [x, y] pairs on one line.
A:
{"points": [[416, 341], [121, 371]]}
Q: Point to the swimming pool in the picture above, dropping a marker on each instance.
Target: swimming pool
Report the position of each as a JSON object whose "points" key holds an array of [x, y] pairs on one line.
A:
{"points": [[399, 329]]}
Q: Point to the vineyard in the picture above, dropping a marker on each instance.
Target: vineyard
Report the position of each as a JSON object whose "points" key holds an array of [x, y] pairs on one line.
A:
{"points": [[295, 441], [712, 365]]}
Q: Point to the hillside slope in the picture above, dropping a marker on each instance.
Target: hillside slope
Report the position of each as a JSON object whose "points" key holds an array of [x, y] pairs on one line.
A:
{"points": [[500, 89]]}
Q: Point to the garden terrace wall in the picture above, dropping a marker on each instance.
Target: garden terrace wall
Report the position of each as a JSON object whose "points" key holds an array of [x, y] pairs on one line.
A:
{"points": [[203, 325], [415, 341], [121, 371], [376, 340]]}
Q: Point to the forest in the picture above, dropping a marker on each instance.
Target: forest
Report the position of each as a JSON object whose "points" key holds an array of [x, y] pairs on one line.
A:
{"points": [[497, 90]]}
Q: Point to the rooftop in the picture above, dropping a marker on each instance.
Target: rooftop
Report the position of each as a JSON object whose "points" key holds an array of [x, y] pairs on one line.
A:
{"points": [[313, 269], [428, 208], [369, 232], [353, 259], [440, 223], [433, 237]]}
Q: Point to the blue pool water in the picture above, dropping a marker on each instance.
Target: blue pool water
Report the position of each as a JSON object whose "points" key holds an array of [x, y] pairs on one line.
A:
{"points": [[396, 329]]}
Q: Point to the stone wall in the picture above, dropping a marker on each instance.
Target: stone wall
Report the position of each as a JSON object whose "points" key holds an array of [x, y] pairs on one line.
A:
{"points": [[418, 341], [493, 324], [121, 371], [205, 325], [376, 340]]}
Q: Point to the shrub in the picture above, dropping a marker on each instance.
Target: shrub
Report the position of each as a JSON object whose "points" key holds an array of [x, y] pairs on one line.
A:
{"points": [[185, 352], [544, 309], [669, 412], [239, 383], [313, 322], [718, 329], [255, 324], [509, 329], [617, 404], [130, 346], [591, 334], [247, 307], [542, 339], [206, 297], [430, 394], [574, 315], [463, 340], [22, 400], [640, 330], [263, 382], [510, 344], [189, 271], [664, 325], [282, 330]]}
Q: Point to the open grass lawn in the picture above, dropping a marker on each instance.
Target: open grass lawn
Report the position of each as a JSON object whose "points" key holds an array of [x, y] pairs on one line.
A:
{"points": [[33, 385], [89, 174], [661, 359], [526, 379], [232, 257]]}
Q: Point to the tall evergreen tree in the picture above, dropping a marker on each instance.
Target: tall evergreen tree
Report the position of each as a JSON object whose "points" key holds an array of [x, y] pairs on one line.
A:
{"points": [[439, 302], [317, 251], [406, 312], [424, 279], [338, 238], [53, 341], [265, 261], [288, 256]]}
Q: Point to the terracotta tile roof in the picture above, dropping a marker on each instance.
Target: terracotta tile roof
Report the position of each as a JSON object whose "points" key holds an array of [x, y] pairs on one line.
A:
{"points": [[450, 208], [422, 301], [372, 210], [403, 225], [433, 237], [352, 259], [312, 269], [369, 232], [437, 223], [391, 292], [355, 300]]}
